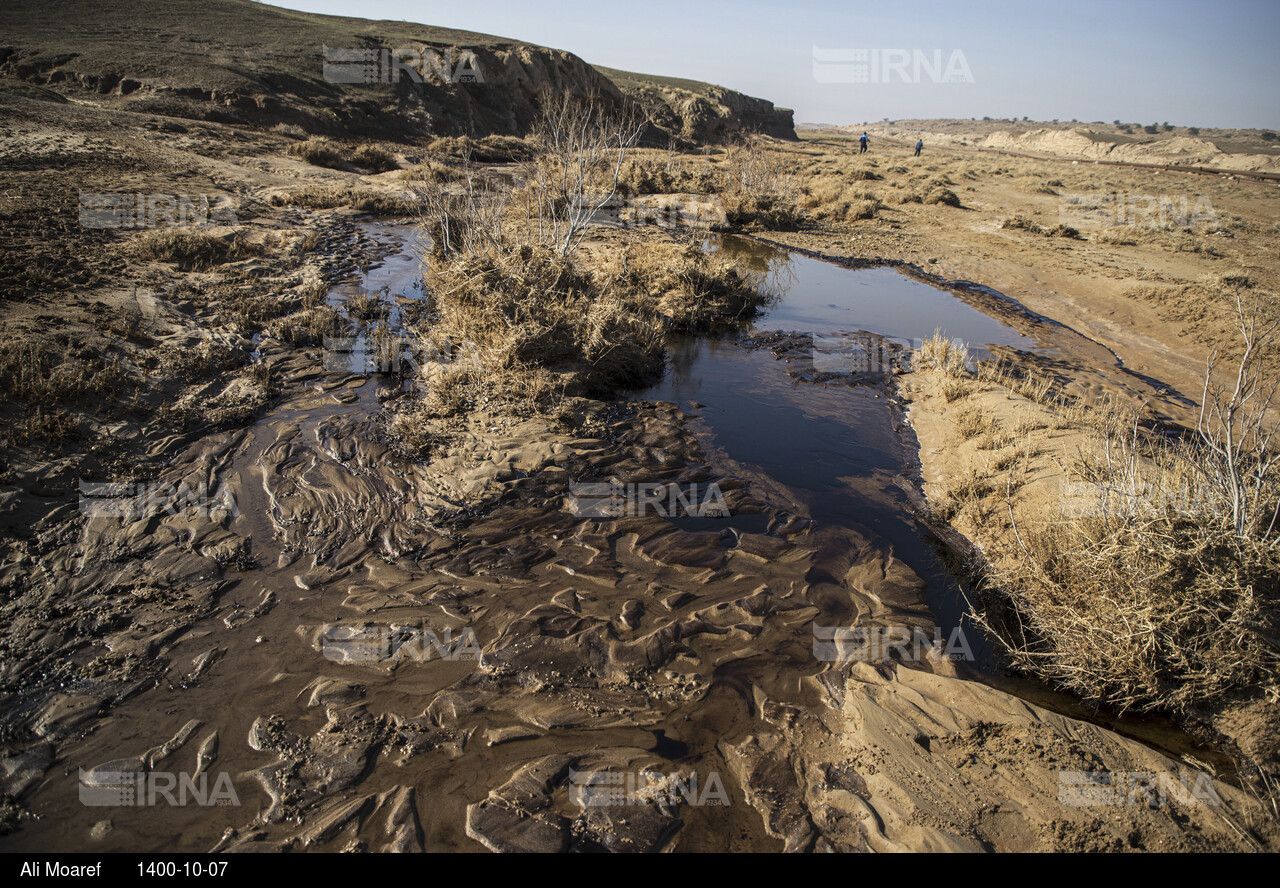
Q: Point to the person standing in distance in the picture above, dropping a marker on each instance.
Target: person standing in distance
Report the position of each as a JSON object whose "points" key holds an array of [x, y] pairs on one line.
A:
{"points": [[919, 145]]}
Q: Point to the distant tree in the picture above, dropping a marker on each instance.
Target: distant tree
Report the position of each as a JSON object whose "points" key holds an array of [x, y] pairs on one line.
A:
{"points": [[1026, 118], [1268, 136], [1193, 130], [1116, 122], [1151, 128]]}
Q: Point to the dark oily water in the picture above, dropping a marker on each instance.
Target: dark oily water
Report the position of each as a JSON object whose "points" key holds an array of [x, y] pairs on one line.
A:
{"points": [[826, 299], [836, 450], [842, 451]]}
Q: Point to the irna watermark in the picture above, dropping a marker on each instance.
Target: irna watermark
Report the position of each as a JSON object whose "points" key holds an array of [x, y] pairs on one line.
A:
{"points": [[379, 64], [134, 500], [383, 643], [129, 788], [590, 789], [1133, 210], [1091, 499], [1147, 789], [874, 644], [612, 499], [659, 210], [138, 210], [395, 353], [877, 66]]}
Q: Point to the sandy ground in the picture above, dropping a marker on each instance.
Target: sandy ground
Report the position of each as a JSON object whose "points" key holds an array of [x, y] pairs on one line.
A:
{"points": [[284, 643]]}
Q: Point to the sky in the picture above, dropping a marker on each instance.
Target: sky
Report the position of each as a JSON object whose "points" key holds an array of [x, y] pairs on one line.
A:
{"points": [[1138, 61]]}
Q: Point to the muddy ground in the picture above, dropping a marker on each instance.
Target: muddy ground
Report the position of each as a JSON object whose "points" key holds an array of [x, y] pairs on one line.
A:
{"points": [[386, 653]]}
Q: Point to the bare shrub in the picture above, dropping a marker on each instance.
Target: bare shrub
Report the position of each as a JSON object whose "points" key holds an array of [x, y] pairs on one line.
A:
{"points": [[463, 213], [580, 147], [759, 188], [1240, 459]]}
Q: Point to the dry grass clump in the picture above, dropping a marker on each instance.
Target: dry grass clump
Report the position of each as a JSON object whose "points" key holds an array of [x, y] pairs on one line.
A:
{"points": [[40, 372], [320, 152], [963, 494], [1025, 224], [202, 362], [1020, 223], [194, 249], [974, 422], [1160, 586], [942, 196], [290, 130], [308, 327], [955, 389], [365, 200], [949, 356], [537, 318], [369, 306], [490, 149], [434, 172], [41, 424], [1040, 389], [695, 292], [335, 156], [834, 198], [530, 307], [765, 212], [669, 174], [1160, 612], [374, 158], [758, 188], [1170, 238]]}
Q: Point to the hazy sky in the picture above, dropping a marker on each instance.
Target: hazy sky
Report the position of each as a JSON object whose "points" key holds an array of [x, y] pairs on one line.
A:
{"points": [[1141, 61]]}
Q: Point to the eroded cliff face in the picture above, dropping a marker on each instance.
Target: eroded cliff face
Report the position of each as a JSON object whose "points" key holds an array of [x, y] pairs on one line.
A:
{"points": [[714, 115], [239, 62]]}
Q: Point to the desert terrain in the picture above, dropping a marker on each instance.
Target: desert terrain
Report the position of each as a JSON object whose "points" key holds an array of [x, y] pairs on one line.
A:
{"points": [[361, 589]]}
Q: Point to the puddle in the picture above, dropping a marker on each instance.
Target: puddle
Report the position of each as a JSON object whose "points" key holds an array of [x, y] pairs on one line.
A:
{"points": [[838, 450], [379, 344], [827, 300]]}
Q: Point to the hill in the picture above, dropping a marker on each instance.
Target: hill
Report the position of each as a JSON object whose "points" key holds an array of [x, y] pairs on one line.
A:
{"points": [[236, 61]]}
